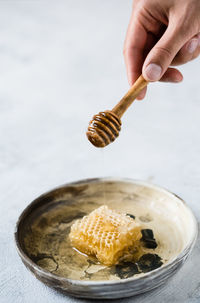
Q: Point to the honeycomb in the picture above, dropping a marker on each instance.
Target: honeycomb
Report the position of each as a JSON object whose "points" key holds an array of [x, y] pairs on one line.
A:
{"points": [[106, 234]]}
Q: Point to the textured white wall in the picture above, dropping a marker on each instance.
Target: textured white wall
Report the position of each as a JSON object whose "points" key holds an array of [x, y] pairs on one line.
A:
{"points": [[60, 63]]}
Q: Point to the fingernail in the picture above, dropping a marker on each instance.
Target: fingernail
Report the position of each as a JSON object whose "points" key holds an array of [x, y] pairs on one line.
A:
{"points": [[192, 45], [153, 72]]}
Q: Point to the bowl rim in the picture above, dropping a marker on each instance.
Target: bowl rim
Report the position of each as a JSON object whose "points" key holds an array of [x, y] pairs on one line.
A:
{"points": [[144, 276]]}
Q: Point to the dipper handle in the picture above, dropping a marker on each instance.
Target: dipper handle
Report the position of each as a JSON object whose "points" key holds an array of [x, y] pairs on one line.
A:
{"points": [[130, 96]]}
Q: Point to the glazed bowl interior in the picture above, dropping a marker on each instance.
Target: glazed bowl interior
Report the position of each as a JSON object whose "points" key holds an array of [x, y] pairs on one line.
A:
{"points": [[43, 228]]}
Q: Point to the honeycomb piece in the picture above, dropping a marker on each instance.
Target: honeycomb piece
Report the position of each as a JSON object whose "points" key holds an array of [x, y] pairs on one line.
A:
{"points": [[105, 234]]}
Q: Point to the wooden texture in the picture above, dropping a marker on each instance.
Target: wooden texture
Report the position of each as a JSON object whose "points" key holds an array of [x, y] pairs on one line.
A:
{"points": [[104, 127], [130, 96]]}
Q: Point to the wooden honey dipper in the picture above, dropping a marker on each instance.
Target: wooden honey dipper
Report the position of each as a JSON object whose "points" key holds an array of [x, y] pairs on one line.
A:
{"points": [[105, 126]]}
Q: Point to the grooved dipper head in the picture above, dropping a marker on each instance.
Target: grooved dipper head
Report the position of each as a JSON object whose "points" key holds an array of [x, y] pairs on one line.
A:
{"points": [[103, 129]]}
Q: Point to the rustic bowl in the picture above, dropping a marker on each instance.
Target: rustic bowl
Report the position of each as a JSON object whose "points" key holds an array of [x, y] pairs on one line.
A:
{"points": [[171, 219]]}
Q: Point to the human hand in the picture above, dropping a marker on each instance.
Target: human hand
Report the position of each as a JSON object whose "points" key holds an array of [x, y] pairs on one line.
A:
{"points": [[161, 33]]}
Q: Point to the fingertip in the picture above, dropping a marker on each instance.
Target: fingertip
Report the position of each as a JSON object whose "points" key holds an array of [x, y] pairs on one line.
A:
{"points": [[142, 94], [152, 72], [178, 78], [139, 98], [172, 75]]}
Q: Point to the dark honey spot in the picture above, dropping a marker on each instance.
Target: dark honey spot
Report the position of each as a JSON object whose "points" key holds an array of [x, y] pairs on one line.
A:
{"points": [[126, 270], [145, 219], [148, 238], [40, 256], [76, 190], [149, 262], [75, 216], [43, 223], [131, 216]]}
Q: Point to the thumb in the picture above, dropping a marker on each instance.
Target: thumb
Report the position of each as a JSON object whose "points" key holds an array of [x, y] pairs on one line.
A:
{"points": [[163, 53]]}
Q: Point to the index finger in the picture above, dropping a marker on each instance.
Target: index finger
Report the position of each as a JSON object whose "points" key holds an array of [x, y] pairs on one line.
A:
{"points": [[134, 50]]}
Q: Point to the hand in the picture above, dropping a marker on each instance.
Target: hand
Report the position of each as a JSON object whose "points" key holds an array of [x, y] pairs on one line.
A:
{"points": [[161, 33]]}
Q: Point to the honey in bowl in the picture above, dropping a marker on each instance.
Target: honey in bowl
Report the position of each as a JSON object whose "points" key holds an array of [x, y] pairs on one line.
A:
{"points": [[53, 236], [168, 234], [116, 240], [106, 234]]}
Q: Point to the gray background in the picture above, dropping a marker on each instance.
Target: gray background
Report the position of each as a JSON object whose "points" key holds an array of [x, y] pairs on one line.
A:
{"points": [[60, 63]]}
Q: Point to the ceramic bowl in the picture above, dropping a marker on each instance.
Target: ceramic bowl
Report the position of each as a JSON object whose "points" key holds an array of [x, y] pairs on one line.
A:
{"points": [[42, 236]]}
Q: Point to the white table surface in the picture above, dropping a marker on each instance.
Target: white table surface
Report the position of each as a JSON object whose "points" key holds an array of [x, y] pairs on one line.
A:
{"points": [[60, 63]]}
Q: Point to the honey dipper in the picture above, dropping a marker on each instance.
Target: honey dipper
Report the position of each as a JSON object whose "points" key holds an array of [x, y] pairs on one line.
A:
{"points": [[105, 126]]}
